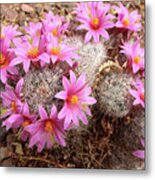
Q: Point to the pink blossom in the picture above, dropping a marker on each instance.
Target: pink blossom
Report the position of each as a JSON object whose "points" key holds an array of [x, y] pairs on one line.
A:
{"points": [[31, 49], [22, 119], [58, 51], [138, 94], [55, 25], [135, 55], [34, 29], [47, 130], [6, 57], [128, 20], [76, 97], [94, 19], [140, 153], [7, 33], [12, 99]]}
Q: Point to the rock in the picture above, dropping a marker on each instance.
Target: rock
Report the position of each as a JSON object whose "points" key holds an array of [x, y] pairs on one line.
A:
{"points": [[27, 8]]}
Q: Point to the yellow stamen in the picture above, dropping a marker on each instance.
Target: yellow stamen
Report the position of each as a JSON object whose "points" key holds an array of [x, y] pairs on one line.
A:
{"points": [[54, 32], [48, 126], [13, 106], [33, 53], [136, 60], [95, 23], [74, 99], [126, 22], [3, 61], [26, 122], [2, 36], [55, 50]]}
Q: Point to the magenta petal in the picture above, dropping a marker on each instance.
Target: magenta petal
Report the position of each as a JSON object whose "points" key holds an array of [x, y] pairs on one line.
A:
{"points": [[88, 36], [139, 153], [62, 113], [26, 111], [66, 83], [42, 113], [72, 77], [53, 114], [13, 121], [16, 61], [61, 95], [44, 57], [19, 86], [26, 65], [3, 74]]}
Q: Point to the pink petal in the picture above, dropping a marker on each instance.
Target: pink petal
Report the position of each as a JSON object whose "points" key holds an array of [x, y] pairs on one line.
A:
{"points": [[26, 64], [16, 61], [42, 113], [66, 83], [72, 77], [53, 113], [26, 111], [139, 153], [44, 57], [88, 36], [62, 113], [61, 95], [3, 74], [19, 86]]}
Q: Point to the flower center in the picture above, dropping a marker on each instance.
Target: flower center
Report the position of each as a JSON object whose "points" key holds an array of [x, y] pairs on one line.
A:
{"points": [[26, 122], [95, 23], [136, 60], [33, 53], [142, 97], [54, 32], [3, 61], [126, 22], [55, 51], [14, 106], [48, 126], [73, 99], [2, 36]]}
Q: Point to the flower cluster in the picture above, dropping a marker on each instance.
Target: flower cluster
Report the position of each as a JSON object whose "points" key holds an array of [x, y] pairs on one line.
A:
{"points": [[95, 19], [40, 47]]}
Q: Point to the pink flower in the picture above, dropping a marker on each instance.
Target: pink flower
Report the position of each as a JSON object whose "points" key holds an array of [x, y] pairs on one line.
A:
{"points": [[8, 33], [128, 20], [58, 51], [29, 50], [12, 99], [47, 130], [94, 19], [55, 25], [20, 120], [76, 96], [140, 153], [138, 94], [135, 55], [6, 57], [34, 29]]}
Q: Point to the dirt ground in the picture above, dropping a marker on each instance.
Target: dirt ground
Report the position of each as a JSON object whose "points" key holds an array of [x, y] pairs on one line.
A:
{"points": [[105, 143]]}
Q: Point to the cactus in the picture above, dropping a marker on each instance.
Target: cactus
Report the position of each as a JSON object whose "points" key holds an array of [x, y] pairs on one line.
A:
{"points": [[91, 56], [112, 90], [41, 85]]}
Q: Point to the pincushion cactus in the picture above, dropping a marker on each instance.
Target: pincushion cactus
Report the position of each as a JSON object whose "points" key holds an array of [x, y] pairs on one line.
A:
{"points": [[91, 56], [41, 85], [112, 91]]}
